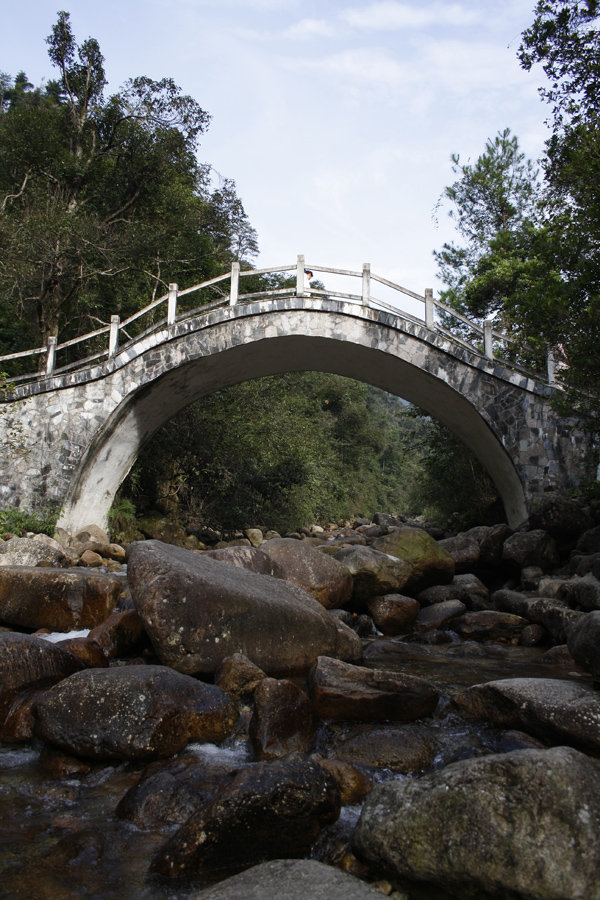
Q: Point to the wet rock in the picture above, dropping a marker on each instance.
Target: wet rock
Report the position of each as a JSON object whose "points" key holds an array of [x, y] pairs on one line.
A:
{"points": [[533, 636], [170, 791], [57, 599], [490, 625], [373, 573], [198, 611], [393, 613], [293, 880], [581, 593], [282, 720], [342, 691], [467, 588], [320, 575], [564, 519], [132, 712], [27, 665], [269, 810], [237, 675], [352, 783], [472, 830], [589, 542], [531, 548], [464, 551], [439, 615], [121, 634], [32, 552], [430, 563], [491, 540], [87, 650], [90, 559], [584, 643], [556, 711], [247, 558], [406, 749]]}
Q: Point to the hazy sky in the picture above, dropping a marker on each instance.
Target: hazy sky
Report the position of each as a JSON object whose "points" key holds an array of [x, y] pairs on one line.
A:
{"points": [[335, 118]]}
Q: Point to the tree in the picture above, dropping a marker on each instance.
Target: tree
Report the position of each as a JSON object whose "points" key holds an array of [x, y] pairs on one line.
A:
{"points": [[564, 39], [103, 200]]}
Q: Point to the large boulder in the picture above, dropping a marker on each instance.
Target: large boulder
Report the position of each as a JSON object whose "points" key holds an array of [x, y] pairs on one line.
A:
{"points": [[490, 539], [564, 519], [465, 551], [268, 810], [404, 748], [57, 599], [373, 573], [198, 611], [490, 625], [305, 566], [520, 825], [339, 690], [292, 879], [39, 550], [553, 710], [28, 664], [531, 548], [132, 712], [429, 562]]}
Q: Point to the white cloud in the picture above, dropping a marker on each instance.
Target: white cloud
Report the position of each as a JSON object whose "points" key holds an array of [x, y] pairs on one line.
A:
{"points": [[388, 14], [310, 28]]}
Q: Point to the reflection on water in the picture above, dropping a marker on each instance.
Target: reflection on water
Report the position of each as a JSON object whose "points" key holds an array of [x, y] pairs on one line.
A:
{"points": [[60, 838]]}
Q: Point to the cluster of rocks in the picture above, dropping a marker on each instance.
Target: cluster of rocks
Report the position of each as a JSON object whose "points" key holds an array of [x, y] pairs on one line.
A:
{"points": [[288, 643]]}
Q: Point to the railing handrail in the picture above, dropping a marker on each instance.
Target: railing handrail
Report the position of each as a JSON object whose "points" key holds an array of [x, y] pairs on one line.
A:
{"points": [[301, 288]]}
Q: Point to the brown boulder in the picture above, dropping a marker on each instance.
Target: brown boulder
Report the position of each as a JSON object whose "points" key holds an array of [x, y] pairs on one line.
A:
{"points": [[315, 572], [57, 599], [122, 634], [393, 613], [339, 690], [267, 811], [282, 720], [490, 625], [406, 749], [132, 712], [237, 675], [373, 572]]}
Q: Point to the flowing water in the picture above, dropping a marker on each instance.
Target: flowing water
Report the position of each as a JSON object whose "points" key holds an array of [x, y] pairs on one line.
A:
{"points": [[60, 838]]}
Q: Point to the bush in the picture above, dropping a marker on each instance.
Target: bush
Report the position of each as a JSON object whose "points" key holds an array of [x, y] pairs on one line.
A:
{"points": [[21, 521]]}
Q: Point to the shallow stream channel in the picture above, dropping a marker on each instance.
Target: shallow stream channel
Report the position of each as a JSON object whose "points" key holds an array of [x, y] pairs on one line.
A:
{"points": [[61, 838]]}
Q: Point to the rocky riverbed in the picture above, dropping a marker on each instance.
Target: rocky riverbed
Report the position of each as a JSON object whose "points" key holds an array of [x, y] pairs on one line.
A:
{"points": [[374, 709]]}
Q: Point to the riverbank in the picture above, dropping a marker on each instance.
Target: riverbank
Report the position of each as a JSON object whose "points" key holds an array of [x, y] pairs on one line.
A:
{"points": [[417, 714]]}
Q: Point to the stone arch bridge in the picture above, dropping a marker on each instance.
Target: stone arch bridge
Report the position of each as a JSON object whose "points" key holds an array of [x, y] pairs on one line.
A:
{"points": [[83, 424]]}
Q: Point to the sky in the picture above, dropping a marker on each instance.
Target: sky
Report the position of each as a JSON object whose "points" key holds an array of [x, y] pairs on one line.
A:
{"points": [[335, 118]]}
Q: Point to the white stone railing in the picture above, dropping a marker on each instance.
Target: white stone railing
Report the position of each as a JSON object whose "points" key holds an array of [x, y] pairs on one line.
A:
{"points": [[486, 338]]}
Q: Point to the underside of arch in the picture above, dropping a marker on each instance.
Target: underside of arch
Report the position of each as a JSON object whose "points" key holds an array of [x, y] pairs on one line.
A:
{"points": [[115, 448]]}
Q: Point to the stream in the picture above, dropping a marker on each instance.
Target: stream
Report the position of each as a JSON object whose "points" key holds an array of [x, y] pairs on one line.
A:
{"points": [[60, 838]]}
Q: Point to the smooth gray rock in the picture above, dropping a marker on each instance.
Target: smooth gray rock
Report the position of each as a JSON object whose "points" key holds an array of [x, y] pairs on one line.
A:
{"points": [[291, 879], [553, 710], [523, 825]]}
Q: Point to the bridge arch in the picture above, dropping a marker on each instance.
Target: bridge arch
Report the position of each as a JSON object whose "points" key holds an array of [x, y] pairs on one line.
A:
{"points": [[494, 411]]}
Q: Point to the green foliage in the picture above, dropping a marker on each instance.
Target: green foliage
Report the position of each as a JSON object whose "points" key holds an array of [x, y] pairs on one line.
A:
{"points": [[295, 449], [102, 199], [122, 520], [20, 521]]}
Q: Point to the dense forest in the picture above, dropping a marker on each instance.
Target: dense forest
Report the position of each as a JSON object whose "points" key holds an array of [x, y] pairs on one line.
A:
{"points": [[104, 201]]}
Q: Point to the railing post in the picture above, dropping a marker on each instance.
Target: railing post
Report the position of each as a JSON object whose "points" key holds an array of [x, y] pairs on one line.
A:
{"points": [[172, 305], [51, 355], [366, 283], [113, 340], [300, 276], [487, 339], [551, 365], [234, 290], [429, 308]]}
